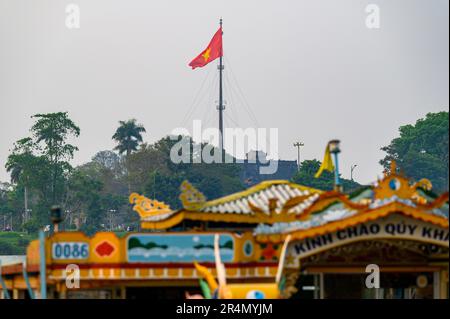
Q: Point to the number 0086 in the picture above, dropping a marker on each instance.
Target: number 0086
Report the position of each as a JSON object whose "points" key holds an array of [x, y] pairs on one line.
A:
{"points": [[72, 250]]}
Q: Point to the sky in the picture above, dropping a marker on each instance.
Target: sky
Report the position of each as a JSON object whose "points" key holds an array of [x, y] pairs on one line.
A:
{"points": [[310, 68]]}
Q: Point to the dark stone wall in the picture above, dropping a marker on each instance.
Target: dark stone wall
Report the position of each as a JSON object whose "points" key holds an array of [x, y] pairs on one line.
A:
{"points": [[250, 173]]}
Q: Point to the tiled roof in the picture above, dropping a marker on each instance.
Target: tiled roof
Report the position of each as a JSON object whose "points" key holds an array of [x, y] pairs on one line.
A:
{"points": [[262, 196], [12, 259], [338, 212]]}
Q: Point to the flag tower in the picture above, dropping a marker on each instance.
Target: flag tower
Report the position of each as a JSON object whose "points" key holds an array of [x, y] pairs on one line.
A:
{"points": [[213, 51], [221, 106]]}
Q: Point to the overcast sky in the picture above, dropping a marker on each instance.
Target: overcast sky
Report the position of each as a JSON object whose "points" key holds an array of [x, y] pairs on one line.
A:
{"points": [[310, 68]]}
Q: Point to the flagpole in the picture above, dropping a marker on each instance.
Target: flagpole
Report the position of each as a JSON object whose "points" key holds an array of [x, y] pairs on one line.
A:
{"points": [[221, 107]]}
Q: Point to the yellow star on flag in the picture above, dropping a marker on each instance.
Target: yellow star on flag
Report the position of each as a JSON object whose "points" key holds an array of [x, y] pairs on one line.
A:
{"points": [[206, 54]]}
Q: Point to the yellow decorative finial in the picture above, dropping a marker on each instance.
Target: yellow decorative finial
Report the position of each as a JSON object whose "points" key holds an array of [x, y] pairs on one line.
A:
{"points": [[146, 207], [424, 183], [393, 167], [190, 197], [397, 184]]}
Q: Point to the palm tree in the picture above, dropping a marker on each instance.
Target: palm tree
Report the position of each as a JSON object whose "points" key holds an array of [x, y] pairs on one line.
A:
{"points": [[128, 136], [19, 174], [20, 166]]}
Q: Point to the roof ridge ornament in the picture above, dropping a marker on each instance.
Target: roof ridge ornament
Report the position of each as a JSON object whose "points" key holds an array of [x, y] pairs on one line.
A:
{"points": [[397, 184], [147, 207], [191, 198], [393, 169]]}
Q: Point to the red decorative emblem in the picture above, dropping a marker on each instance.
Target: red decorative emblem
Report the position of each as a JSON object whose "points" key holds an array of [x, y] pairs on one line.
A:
{"points": [[104, 249], [269, 251]]}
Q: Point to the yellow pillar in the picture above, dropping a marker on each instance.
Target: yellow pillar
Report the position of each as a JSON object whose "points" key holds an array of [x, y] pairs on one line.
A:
{"points": [[62, 291], [37, 293], [444, 284]]}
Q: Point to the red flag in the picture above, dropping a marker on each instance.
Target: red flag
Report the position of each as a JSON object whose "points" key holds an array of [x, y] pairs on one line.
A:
{"points": [[212, 52]]}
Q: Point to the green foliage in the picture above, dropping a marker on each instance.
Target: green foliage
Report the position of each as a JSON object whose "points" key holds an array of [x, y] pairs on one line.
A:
{"points": [[108, 160], [8, 249], [50, 132], [421, 151], [165, 178], [128, 136], [13, 243], [136, 243], [325, 182], [33, 225], [83, 197], [39, 168], [95, 195]]}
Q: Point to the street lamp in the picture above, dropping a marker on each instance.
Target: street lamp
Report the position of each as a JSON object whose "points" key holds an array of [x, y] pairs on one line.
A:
{"points": [[352, 168], [28, 214], [111, 211], [68, 219], [56, 217], [298, 145], [334, 146]]}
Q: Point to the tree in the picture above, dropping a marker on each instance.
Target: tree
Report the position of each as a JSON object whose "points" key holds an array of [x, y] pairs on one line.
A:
{"points": [[18, 165], [128, 136], [84, 198], [28, 171], [325, 182], [146, 160], [421, 151], [107, 159], [163, 183], [40, 164], [51, 132]]}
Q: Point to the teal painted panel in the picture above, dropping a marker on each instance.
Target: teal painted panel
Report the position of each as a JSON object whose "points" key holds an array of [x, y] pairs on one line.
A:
{"points": [[178, 248]]}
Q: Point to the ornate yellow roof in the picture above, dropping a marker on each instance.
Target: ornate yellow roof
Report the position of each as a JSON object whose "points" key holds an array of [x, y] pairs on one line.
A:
{"points": [[272, 204], [393, 194], [267, 198], [268, 202]]}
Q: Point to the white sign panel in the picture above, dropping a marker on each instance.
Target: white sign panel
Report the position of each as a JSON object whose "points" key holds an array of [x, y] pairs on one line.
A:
{"points": [[392, 227], [70, 250]]}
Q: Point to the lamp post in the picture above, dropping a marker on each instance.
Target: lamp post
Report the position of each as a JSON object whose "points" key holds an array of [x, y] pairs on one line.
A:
{"points": [[335, 150], [154, 183], [111, 211], [27, 214], [298, 145], [352, 168], [68, 218], [42, 265], [56, 217]]}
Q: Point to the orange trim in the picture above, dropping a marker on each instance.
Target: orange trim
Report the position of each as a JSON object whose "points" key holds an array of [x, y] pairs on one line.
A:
{"points": [[438, 202], [165, 223], [329, 198], [359, 219], [321, 202], [362, 269], [216, 217]]}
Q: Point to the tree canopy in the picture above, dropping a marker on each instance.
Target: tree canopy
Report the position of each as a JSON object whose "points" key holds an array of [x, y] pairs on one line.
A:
{"points": [[128, 136], [421, 150]]}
